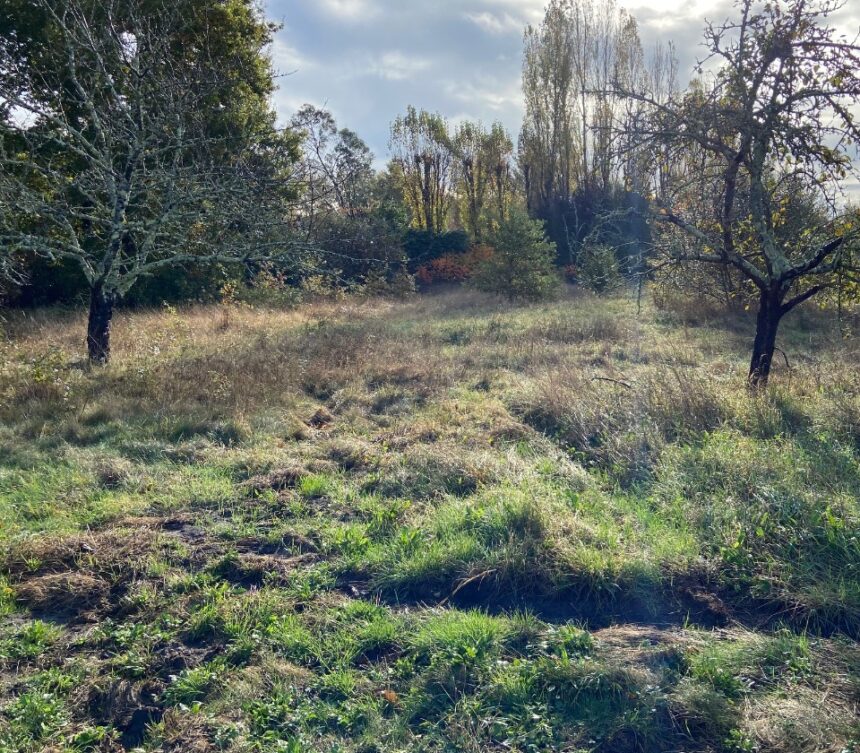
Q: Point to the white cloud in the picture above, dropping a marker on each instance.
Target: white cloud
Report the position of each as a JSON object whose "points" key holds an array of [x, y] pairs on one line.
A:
{"points": [[527, 11], [494, 23], [488, 93], [349, 9], [392, 66], [288, 59]]}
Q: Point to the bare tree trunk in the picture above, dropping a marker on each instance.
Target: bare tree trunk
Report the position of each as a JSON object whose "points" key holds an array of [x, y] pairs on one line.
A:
{"points": [[98, 325], [770, 312]]}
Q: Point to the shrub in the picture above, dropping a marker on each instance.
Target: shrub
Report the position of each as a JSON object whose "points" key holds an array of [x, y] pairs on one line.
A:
{"points": [[522, 265], [454, 267], [422, 246], [598, 268]]}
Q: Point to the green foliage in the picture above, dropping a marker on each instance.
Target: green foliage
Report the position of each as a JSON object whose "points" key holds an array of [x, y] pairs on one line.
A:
{"points": [[521, 266], [422, 162], [598, 268], [35, 716], [193, 685], [423, 246], [30, 641]]}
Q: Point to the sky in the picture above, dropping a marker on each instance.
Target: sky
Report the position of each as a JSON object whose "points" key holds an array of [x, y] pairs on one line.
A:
{"points": [[367, 60]]}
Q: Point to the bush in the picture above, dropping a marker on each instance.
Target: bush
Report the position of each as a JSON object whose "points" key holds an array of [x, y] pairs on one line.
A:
{"points": [[454, 267], [423, 246], [522, 263], [598, 268]]}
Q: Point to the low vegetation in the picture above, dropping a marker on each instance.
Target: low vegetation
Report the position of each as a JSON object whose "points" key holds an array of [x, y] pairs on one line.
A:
{"points": [[433, 525]]}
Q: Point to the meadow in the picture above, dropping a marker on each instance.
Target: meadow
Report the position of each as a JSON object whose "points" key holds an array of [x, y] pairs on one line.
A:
{"points": [[435, 524]]}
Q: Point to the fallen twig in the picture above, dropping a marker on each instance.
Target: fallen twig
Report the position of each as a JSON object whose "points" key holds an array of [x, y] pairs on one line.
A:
{"points": [[613, 381]]}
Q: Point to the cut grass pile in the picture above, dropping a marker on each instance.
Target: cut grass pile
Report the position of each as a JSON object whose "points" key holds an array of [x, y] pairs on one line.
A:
{"points": [[435, 525]]}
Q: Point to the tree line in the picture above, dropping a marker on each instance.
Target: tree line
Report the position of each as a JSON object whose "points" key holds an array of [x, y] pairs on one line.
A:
{"points": [[141, 161]]}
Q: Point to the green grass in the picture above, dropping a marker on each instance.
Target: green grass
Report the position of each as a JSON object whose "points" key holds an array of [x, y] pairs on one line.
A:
{"points": [[433, 525]]}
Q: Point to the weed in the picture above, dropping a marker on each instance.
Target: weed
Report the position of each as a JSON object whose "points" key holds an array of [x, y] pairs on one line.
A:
{"points": [[31, 641]]}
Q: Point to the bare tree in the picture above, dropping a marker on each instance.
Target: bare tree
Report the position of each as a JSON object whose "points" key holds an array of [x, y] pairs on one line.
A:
{"points": [[117, 168], [767, 146]]}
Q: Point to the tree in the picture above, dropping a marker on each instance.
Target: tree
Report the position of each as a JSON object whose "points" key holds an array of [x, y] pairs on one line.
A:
{"points": [[120, 157], [482, 175], [771, 142], [498, 154], [571, 156], [546, 151], [336, 167], [522, 263], [345, 211], [423, 156]]}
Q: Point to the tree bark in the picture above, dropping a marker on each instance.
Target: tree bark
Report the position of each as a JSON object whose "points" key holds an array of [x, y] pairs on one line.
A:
{"points": [[770, 314], [98, 325]]}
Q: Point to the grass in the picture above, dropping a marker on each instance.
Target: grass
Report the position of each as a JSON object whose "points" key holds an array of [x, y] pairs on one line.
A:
{"points": [[436, 524]]}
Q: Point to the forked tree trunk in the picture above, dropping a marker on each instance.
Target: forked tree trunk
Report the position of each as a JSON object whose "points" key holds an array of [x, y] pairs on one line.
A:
{"points": [[98, 325], [770, 313]]}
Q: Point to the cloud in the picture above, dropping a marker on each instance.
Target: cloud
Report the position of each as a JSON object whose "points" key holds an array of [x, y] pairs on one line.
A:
{"points": [[288, 59], [393, 66], [350, 9], [367, 60], [487, 95], [492, 23]]}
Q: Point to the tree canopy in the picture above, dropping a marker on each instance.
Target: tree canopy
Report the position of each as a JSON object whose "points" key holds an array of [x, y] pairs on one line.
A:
{"points": [[141, 138], [751, 165]]}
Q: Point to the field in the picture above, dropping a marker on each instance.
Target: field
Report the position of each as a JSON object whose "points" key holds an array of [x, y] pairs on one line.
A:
{"points": [[439, 524]]}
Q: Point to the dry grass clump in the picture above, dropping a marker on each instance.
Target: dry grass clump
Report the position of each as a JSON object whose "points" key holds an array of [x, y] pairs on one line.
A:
{"points": [[70, 593], [841, 412], [113, 473], [619, 425], [115, 548], [79, 574], [801, 719], [597, 325], [181, 731], [352, 453], [430, 471], [277, 480], [253, 569], [677, 309]]}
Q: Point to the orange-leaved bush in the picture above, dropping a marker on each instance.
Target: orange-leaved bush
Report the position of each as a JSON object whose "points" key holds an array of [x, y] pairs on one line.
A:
{"points": [[454, 267]]}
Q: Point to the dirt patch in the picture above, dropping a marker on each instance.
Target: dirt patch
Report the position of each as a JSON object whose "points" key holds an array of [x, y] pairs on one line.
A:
{"points": [[129, 706], [249, 569], [288, 544], [277, 480], [175, 657]]}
